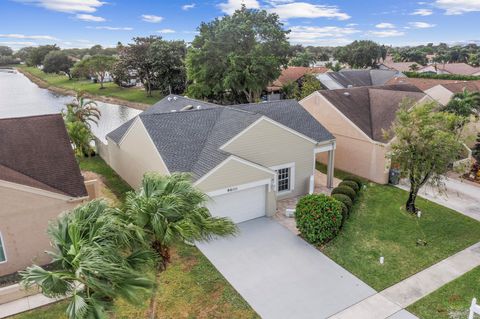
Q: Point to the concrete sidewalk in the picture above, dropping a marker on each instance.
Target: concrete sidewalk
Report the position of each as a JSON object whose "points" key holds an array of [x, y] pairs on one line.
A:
{"points": [[460, 196], [390, 302], [24, 304]]}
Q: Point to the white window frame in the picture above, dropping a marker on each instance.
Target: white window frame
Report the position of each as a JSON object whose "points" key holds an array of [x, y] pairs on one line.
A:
{"points": [[291, 166], [3, 249]]}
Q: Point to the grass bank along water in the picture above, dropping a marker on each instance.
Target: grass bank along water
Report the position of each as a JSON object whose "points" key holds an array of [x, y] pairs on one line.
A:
{"points": [[112, 93]]}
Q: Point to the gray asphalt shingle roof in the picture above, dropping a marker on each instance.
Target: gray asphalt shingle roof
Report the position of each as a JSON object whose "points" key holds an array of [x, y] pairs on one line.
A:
{"points": [[359, 78], [189, 140]]}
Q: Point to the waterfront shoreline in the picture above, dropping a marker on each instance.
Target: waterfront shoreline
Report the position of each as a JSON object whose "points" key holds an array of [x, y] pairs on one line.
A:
{"points": [[62, 91]]}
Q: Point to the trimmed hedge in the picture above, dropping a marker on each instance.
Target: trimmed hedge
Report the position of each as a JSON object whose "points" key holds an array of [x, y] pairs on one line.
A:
{"points": [[346, 191], [352, 184], [345, 212], [318, 218], [457, 77], [344, 199], [354, 178]]}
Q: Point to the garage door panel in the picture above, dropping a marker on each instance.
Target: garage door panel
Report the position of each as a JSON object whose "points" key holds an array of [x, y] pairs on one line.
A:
{"points": [[241, 205]]}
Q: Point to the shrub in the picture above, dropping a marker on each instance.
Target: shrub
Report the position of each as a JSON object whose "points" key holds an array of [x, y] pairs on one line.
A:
{"points": [[352, 184], [344, 212], [346, 190], [344, 199], [354, 178], [318, 217]]}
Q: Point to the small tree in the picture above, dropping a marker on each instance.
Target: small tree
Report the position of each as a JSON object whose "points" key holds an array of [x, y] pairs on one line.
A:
{"points": [[334, 67], [414, 67], [309, 85], [290, 90], [99, 66], [476, 149], [99, 258], [464, 104], [426, 143], [56, 62]]}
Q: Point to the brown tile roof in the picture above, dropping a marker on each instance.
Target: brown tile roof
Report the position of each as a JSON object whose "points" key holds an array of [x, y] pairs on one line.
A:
{"points": [[458, 68], [458, 87], [425, 84], [372, 109], [35, 151], [293, 73]]}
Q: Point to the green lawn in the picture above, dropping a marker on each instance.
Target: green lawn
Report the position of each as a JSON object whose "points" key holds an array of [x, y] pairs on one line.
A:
{"points": [[380, 226], [452, 300], [336, 172], [111, 89], [191, 287]]}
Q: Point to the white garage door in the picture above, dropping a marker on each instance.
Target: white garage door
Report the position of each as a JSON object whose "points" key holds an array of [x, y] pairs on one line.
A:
{"points": [[241, 205]]}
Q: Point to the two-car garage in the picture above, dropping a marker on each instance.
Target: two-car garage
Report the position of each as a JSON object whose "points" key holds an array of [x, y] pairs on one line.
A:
{"points": [[240, 204]]}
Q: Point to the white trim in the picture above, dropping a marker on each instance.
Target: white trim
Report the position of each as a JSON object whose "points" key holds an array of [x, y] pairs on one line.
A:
{"points": [[267, 119], [236, 188], [149, 138], [38, 191], [325, 147], [3, 249], [291, 183], [233, 158]]}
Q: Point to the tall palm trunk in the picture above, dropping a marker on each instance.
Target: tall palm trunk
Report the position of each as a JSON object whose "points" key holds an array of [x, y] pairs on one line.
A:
{"points": [[164, 253]]}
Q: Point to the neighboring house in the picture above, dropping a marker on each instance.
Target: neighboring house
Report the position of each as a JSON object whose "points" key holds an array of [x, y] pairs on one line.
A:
{"points": [[291, 74], [39, 179], [425, 84], [356, 78], [450, 68], [245, 157], [442, 93], [358, 117], [398, 66]]}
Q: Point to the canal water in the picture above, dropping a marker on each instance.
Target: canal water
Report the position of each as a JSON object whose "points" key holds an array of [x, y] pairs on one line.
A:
{"points": [[21, 97]]}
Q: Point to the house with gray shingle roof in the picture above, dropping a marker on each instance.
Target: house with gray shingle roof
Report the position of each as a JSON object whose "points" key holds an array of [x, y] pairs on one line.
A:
{"points": [[39, 180], [358, 118], [356, 78], [245, 157]]}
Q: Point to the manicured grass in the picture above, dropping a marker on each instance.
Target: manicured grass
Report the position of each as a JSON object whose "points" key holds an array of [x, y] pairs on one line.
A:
{"points": [[111, 89], [336, 172], [380, 226], [114, 182], [191, 287], [452, 300]]}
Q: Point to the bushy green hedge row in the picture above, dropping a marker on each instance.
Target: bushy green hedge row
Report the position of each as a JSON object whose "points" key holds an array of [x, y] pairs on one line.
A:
{"points": [[319, 217], [458, 77]]}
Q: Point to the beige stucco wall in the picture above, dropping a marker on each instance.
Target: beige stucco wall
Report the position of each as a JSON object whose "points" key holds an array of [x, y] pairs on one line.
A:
{"points": [[135, 155], [24, 217], [235, 173], [440, 94], [356, 152], [269, 145]]}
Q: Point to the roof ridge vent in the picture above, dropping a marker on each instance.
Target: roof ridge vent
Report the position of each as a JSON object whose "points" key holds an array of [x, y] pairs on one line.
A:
{"points": [[175, 98], [187, 107], [169, 98], [346, 93], [198, 107]]}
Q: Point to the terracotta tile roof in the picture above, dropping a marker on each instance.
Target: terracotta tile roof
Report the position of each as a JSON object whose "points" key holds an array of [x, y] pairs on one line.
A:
{"points": [[293, 73], [372, 109], [457, 68], [425, 84], [35, 151]]}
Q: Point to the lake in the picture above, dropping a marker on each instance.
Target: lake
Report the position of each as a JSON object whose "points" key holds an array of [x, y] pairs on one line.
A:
{"points": [[21, 97]]}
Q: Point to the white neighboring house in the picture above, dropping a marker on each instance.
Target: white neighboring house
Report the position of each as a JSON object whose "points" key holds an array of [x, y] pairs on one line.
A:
{"points": [[245, 157]]}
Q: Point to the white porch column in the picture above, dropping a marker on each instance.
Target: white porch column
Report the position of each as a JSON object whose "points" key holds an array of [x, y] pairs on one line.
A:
{"points": [[330, 168]]}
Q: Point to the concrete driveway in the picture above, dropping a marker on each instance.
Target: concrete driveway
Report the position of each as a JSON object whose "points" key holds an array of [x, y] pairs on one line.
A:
{"points": [[280, 275]]}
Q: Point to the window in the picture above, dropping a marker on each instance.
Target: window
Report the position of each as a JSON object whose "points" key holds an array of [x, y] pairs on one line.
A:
{"points": [[285, 177], [3, 257]]}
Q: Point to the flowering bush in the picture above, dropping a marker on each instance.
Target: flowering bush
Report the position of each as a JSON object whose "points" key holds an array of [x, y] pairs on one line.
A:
{"points": [[318, 218]]}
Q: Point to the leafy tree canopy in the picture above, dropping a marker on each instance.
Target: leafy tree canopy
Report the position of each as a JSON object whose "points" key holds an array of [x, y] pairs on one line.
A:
{"points": [[234, 58], [56, 62], [37, 55], [361, 54]]}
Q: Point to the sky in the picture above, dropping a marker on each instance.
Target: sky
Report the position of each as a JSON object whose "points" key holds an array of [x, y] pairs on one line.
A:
{"points": [[83, 23]]}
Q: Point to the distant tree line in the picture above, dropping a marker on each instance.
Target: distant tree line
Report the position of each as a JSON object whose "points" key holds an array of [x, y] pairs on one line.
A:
{"points": [[7, 57]]}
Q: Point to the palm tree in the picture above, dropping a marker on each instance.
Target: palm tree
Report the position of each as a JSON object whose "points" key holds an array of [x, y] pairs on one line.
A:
{"points": [[98, 257], [82, 110], [464, 104], [171, 210]]}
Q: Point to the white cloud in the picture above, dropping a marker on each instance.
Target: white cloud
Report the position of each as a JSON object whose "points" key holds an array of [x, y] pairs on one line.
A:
{"points": [[18, 44], [385, 25], [151, 18], [352, 24], [23, 36], [90, 18], [387, 33], [111, 28], [308, 10], [165, 31], [230, 6], [187, 7], [329, 36], [456, 7], [70, 6], [421, 25], [422, 12]]}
